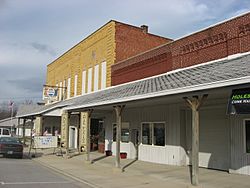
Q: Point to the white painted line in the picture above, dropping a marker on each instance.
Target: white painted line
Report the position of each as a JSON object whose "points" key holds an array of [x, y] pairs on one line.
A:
{"points": [[29, 183]]}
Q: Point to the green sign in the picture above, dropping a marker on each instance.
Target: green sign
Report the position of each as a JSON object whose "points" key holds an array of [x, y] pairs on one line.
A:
{"points": [[239, 102]]}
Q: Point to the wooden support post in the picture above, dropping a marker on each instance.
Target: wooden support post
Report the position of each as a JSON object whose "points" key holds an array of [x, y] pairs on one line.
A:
{"points": [[18, 126], [67, 134], [89, 113], [118, 112], [195, 104], [24, 139]]}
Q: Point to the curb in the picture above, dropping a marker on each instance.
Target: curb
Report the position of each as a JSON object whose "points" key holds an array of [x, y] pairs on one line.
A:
{"points": [[66, 174]]}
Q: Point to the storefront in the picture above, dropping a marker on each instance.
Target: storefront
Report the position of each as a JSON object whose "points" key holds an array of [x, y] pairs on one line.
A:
{"points": [[178, 118]]}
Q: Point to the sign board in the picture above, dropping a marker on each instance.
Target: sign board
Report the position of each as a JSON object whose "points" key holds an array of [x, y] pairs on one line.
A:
{"points": [[50, 93], [239, 102], [45, 142], [83, 129]]}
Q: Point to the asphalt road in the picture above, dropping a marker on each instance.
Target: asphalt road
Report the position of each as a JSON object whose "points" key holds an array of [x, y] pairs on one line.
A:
{"points": [[25, 173]]}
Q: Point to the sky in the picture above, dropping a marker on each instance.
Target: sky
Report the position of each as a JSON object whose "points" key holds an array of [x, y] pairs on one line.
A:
{"points": [[33, 33]]}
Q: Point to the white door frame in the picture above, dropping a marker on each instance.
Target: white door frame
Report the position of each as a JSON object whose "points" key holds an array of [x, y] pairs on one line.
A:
{"points": [[76, 136]]}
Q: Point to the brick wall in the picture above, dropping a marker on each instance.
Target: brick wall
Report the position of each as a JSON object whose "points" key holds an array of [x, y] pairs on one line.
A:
{"points": [[131, 40], [213, 43]]}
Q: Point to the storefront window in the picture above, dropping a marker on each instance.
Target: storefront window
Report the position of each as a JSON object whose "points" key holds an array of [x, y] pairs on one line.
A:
{"points": [[247, 126], [124, 132], [147, 133], [153, 130], [159, 134]]}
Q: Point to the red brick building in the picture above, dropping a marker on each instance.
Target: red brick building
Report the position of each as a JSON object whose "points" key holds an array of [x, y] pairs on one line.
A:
{"points": [[215, 42]]}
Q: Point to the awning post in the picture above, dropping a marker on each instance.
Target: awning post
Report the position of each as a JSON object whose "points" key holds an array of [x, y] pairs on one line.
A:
{"points": [[24, 122], [18, 126], [118, 112], [195, 104], [89, 113]]}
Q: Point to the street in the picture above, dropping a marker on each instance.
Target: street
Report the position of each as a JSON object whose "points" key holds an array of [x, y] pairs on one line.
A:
{"points": [[27, 174]]}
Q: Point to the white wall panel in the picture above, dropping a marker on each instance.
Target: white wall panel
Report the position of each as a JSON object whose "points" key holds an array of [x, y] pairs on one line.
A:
{"points": [[83, 82], [96, 77], [68, 88], [75, 85], [89, 80], [240, 160], [103, 75]]}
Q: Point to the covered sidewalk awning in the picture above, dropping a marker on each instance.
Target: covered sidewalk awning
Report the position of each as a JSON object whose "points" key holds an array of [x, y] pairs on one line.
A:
{"points": [[230, 71]]}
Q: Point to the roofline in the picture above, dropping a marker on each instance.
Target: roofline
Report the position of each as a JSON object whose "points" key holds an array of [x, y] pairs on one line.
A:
{"points": [[138, 27], [99, 30], [213, 25], [43, 111], [81, 41], [185, 36], [7, 119]]}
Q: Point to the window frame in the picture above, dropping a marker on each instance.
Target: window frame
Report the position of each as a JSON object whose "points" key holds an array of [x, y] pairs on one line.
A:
{"points": [[129, 137], [152, 132]]}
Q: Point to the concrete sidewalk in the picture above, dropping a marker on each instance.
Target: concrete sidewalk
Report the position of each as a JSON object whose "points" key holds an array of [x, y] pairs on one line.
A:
{"points": [[102, 173]]}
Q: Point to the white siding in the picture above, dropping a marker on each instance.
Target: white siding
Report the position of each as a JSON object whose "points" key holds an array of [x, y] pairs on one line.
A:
{"points": [[89, 80], [75, 85], [240, 160], [214, 138], [96, 77], [68, 88], [104, 75], [169, 154], [83, 82]]}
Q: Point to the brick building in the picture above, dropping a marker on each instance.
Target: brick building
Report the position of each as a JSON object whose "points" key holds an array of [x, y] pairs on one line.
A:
{"points": [[215, 42], [86, 67]]}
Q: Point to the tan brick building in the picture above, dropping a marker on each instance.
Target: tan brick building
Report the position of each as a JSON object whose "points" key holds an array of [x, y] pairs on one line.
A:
{"points": [[86, 67]]}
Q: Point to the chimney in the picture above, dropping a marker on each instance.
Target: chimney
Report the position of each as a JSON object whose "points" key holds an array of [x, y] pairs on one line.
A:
{"points": [[144, 28]]}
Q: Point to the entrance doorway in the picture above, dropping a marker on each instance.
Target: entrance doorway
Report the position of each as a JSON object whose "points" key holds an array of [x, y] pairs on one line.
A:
{"points": [[97, 135], [72, 137]]}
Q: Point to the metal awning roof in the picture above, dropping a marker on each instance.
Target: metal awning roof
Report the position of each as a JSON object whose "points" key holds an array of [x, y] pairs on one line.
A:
{"points": [[229, 71]]}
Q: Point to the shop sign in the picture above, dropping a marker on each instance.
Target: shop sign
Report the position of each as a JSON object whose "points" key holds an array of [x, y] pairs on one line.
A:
{"points": [[239, 102], [50, 93]]}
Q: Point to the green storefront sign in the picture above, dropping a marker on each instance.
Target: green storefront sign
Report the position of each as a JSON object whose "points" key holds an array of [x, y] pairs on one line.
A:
{"points": [[239, 102]]}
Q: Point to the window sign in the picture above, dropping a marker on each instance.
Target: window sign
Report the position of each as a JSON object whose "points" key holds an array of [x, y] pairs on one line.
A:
{"points": [[239, 102]]}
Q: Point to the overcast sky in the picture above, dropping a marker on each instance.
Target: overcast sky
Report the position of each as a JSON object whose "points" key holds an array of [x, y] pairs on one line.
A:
{"points": [[35, 32]]}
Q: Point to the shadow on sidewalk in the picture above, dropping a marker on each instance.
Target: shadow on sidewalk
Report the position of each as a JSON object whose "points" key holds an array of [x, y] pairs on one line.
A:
{"points": [[129, 164], [98, 159]]}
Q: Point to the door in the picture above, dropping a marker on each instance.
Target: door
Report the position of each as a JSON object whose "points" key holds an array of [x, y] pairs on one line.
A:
{"points": [[72, 137]]}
